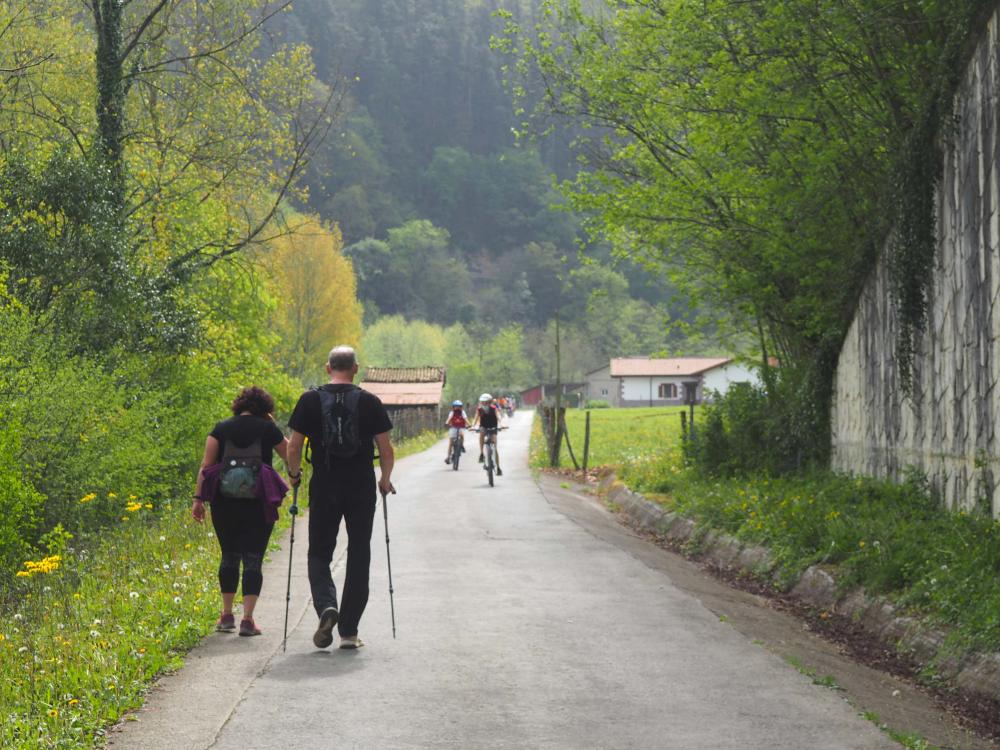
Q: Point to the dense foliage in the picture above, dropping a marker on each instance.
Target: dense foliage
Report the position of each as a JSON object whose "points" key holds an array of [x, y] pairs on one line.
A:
{"points": [[144, 245], [758, 151]]}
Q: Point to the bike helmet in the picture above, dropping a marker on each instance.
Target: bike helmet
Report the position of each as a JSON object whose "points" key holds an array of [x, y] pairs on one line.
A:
{"points": [[456, 403], [485, 398]]}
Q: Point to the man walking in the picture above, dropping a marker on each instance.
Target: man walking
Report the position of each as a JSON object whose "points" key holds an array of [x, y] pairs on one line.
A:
{"points": [[342, 487]]}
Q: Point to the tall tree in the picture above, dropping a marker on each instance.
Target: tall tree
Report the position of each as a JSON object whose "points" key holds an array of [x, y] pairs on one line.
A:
{"points": [[316, 305]]}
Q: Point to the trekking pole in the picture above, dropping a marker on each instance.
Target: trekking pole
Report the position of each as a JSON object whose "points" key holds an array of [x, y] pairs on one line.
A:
{"points": [[388, 560], [293, 511]]}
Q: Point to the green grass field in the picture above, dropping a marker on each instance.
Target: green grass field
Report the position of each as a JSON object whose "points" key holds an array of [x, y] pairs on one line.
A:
{"points": [[640, 444], [624, 436]]}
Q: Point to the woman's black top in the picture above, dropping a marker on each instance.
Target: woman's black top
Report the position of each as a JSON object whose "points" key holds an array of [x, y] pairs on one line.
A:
{"points": [[243, 430]]}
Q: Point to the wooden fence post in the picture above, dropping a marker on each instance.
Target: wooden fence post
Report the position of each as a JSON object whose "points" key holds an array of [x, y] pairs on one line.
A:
{"points": [[586, 443], [565, 431]]}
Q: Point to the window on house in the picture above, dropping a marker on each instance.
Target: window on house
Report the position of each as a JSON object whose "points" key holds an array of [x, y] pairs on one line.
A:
{"points": [[668, 390], [604, 391]]}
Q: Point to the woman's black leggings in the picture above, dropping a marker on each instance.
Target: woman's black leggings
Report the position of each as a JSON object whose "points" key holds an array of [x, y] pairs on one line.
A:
{"points": [[243, 533]]}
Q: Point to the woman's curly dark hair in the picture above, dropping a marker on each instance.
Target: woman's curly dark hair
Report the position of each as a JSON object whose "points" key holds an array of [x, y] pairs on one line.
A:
{"points": [[255, 400]]}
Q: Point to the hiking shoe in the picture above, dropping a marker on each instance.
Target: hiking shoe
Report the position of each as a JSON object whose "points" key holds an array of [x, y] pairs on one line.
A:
{"points": [[448, 460], [480, 458], [323, 636], [499, 472], [248, 628], [351, 642], [226, 623]]}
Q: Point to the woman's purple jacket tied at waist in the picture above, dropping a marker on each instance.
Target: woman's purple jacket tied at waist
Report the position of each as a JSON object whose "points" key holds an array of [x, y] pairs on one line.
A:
{"points": [[270, 488]]}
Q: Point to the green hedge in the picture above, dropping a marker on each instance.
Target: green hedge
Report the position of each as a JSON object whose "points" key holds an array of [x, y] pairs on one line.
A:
{"points": [[84, 435]]}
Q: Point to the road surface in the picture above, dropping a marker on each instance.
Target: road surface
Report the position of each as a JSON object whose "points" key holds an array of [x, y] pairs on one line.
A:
{"points": [[516, 628]]}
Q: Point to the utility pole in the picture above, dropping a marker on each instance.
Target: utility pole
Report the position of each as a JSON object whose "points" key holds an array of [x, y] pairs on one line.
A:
{"points": [[557, 433]]}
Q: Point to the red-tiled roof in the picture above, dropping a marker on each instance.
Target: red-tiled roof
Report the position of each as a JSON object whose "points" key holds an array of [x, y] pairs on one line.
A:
{"points": [[679, 366], [406, 394], [403, 375]]}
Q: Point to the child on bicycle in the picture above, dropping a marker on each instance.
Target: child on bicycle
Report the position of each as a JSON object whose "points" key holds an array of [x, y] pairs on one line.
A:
{"points": [[456, 423], [488, 417]]}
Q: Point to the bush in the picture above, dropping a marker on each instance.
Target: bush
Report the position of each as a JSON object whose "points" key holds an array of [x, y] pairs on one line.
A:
{"points": [[19, 502], [598, 404], [103, 431], [772, 429]]}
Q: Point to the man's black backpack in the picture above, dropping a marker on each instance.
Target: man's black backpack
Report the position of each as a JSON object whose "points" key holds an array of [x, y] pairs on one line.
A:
{"points": [[341, 437], [240, 469]]}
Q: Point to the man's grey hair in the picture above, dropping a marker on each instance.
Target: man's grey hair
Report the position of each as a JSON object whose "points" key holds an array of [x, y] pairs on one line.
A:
{"points": [[342, 358]]}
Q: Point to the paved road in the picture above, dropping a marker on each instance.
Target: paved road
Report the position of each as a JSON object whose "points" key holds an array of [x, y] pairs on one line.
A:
{"points": [[517, 628]]}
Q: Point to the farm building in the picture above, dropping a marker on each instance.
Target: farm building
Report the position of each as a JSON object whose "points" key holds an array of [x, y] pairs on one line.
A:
{"points": [[572, 394], [644, 381], [411, 395]]}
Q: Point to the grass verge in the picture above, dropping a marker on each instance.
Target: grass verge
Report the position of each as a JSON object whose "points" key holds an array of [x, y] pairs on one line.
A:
{"points": [[88, 630]]}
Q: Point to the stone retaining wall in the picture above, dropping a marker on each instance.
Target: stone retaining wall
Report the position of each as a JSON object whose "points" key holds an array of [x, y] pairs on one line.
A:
{"points": [[947, 430]]}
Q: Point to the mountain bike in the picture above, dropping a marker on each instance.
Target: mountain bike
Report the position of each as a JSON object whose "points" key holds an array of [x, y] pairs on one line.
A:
{"points": [[455, 450], [490, 451]]}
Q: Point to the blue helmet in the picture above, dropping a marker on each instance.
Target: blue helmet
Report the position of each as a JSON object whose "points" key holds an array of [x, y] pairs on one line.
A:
{"points": [[456, 403]]}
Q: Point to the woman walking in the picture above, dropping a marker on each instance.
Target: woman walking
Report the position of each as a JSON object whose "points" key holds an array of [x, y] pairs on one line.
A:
{"points": [[238, 480]]}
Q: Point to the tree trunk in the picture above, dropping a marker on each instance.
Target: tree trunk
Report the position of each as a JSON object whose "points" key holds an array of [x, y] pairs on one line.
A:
{"points": [[111, 93]]}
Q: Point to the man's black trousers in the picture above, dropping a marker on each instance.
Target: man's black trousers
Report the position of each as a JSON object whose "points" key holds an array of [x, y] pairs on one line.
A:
{"points": [[326, 508]]}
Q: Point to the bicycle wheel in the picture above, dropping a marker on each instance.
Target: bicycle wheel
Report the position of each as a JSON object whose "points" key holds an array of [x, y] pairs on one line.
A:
{"points": [[489, 464], [456, 452]]}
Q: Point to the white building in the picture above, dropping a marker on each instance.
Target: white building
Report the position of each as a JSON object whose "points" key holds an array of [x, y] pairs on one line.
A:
{"points": [[642, 381]]}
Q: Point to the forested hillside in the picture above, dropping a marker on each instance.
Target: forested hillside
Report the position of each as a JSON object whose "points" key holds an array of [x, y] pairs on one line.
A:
{"points": [[446, 219]]}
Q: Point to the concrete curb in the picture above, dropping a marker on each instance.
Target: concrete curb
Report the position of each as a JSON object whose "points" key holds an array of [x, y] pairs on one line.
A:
{"points": [[977, 675]]}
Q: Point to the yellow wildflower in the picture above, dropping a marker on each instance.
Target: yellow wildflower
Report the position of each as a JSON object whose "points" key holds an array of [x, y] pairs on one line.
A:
{"points": [[112, 494], [46, 565], [73, 701], [53, 713]]}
